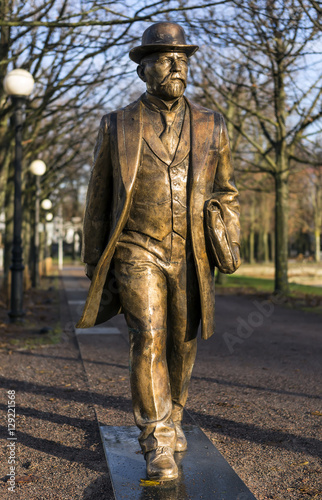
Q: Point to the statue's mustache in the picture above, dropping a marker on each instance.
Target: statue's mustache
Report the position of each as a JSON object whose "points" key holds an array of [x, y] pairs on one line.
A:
{"points": [[173, 77]]}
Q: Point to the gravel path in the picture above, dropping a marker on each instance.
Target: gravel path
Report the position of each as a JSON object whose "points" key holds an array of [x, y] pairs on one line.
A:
{"points": [[255, 392]]}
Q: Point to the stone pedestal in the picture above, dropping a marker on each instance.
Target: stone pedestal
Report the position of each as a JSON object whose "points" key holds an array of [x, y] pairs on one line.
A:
{"points": [[203, 472]]}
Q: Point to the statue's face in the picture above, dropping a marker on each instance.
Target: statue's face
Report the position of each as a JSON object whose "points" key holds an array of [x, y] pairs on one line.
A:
{"points": [[165, 74]]}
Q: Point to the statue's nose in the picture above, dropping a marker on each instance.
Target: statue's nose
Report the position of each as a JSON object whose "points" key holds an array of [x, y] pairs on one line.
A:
{"points": [[176, 66]]}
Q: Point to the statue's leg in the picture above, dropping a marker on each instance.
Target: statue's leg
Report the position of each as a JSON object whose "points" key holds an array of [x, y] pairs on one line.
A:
{"points": [[143, 293], [183, 322]]}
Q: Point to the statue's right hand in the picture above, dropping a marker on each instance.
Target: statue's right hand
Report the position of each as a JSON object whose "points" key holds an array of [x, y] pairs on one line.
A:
{"points": [[89, 270]]}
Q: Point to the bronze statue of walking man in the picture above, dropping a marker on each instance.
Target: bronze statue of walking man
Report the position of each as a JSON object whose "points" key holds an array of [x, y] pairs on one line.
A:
{"points": [[162, 211]]}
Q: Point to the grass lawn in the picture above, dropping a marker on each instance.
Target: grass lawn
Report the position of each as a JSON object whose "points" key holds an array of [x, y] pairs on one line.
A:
{"points": [[303, 297], [267, 285]]}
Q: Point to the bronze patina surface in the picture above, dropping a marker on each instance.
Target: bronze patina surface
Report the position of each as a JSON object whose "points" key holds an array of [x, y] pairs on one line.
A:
{"points": [[162, 211]]}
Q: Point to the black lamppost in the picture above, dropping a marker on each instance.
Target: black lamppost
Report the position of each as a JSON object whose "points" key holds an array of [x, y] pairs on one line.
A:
{"points": [[46, 205], [38, 168], [18, 84]]}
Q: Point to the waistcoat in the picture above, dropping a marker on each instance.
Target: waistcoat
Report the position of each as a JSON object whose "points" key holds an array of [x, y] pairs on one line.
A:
{"points": [[159, 203]]}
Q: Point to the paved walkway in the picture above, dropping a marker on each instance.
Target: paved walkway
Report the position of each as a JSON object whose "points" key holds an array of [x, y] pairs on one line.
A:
{"points": [[255, 391]]}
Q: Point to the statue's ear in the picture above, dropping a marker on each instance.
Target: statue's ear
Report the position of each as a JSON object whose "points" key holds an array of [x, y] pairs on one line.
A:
{"points": [[140, 72]]}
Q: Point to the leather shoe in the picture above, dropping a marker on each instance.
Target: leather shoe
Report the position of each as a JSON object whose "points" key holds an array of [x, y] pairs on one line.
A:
{"points": [[181, 442], [160, 464]]}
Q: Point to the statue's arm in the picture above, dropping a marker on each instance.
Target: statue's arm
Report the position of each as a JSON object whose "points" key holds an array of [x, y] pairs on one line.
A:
{"points": [[224, 189], [98, 201]]}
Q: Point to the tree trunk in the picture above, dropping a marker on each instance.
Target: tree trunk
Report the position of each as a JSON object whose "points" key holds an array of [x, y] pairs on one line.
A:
{"points": [[251, 246], [266, 249], [42, 254], [252, 233], [221, 278], [272, 245], [27, 250], [281, 233], [260, 254], [317, 207], [317, 245], [27, 230], [4, 47], [8, 235], [244, 249]]}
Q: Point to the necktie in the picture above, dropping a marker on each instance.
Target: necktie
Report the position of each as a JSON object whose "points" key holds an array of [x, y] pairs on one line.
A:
{"points": [[169, 137]]}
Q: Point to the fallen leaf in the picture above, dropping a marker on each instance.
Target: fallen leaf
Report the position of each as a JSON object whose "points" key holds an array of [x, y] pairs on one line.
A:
{"points": [[309, 490], [316, 413], [149, 482], [26, 479], [228, 405], [299, 463]]}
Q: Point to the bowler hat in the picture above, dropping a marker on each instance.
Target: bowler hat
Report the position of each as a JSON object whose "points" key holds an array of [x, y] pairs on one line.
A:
{"points": [[162, 37]]}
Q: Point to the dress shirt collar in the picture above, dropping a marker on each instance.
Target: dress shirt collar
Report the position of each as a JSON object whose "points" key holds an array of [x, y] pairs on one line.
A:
{"points": [[157, 104]]}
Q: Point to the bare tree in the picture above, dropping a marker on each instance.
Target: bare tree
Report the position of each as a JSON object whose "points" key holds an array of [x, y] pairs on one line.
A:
{"points": [[273, 49], [77, 54]]}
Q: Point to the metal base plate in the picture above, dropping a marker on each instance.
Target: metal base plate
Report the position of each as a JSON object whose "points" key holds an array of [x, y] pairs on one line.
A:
{"points": [[203, 472]]}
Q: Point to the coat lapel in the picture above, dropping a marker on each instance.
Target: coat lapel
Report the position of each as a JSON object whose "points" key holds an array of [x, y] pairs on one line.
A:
{"points": [[154, 142], [202, 128], [129, 135], [184, 141]]}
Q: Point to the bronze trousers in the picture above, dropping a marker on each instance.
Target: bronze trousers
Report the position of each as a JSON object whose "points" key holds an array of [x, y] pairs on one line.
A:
{"points": [[161, 304]]}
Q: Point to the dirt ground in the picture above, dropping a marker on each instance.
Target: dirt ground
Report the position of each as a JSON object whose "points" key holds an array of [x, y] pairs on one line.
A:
{"points": [[58, 451], [255, 392]]}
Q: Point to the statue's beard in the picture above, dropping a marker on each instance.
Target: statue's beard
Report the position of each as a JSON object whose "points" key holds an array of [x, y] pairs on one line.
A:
{"points": [[173, 89], [170, 88]]}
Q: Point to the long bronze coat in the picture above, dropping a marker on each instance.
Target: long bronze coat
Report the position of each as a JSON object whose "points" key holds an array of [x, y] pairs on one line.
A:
{"points": [[116, 161]]}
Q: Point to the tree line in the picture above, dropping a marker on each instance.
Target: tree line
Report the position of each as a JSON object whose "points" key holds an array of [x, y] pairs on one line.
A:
{"points": [[259, 64]]}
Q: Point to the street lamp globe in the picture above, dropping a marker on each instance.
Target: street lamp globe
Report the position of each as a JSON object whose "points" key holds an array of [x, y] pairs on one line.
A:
{"points": [[46, 204], [49, 217], [38, 167], [18, 83]]}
